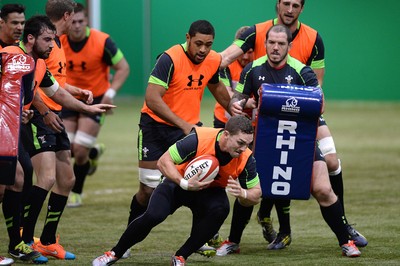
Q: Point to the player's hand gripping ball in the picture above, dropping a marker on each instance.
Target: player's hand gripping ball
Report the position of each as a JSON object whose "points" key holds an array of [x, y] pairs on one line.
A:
{"points": [[207, 164]]}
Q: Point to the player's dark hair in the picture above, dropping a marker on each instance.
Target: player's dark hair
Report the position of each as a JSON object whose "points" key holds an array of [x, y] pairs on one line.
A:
{"points": [[36, 25], [55, 9], [201, 26], [239, 123], [280, 28], [11, 8], [80, 8]]}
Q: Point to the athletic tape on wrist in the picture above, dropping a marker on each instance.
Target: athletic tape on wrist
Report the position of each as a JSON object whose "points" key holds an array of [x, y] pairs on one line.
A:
{"points": [[184, 184], [110, 93]]}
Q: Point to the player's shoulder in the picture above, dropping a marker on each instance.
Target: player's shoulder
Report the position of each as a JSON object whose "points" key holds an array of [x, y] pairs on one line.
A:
{"points": [[306, 28], [98, 35], [256, 64]]}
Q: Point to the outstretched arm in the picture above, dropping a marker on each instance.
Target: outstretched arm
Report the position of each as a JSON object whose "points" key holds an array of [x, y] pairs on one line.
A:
{"points": [[64, 98], [229, 55]]}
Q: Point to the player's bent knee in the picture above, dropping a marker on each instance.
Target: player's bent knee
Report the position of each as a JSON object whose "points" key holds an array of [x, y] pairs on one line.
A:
{"points": [[84, 139], [322, 193], [149, 177]]}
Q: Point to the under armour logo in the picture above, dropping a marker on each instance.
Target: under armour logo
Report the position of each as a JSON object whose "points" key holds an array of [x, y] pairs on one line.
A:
{"points": [[72, 65], [145, 151], [261, 78], [60, 64], [42, 139], [289, 79], [191, 80]]}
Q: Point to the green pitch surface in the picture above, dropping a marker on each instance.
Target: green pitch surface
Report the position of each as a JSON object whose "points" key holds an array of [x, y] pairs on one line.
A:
{"points": [[367, 137]]}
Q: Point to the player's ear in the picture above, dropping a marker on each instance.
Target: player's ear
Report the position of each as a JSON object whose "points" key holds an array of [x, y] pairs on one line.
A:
{"points": [[31, 38], [290, 46], [226, 133]]}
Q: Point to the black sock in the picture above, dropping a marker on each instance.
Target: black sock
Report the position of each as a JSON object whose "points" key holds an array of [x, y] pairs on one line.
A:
{"points": [[240, 218], [11, 211], [136, 210], [283, 211], [80, 172], [337, 186], [265, 208], [32, 209], [26, 163], [333, 216], [93, 152], [55, 209]]}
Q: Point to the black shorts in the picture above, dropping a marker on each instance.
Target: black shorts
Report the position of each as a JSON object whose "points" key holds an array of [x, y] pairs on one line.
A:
{"points": [[318, 154], [155, 138], [218, 123], [98, 118], [168, 197], [37, 137]]}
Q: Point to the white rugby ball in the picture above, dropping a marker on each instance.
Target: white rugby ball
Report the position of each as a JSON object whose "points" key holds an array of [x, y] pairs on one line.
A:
{"points": [[208, 165]]}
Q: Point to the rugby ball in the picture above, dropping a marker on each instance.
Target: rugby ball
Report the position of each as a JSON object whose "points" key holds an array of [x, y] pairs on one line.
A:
{"points": [[208, 165]]}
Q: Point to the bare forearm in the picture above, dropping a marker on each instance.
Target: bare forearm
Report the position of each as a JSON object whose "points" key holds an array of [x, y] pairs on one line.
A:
{"points": [[162, 110], [39, 104], [229, 55], [121, 74], [68, 101]]}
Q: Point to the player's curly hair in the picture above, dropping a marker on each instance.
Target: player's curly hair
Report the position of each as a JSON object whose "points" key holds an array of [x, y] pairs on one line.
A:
{"points": [[36, 25], [201, 26]]}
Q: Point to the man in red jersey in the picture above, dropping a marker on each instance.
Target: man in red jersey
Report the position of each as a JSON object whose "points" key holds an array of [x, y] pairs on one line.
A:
{"points": [[12, 21], [37, 42]]}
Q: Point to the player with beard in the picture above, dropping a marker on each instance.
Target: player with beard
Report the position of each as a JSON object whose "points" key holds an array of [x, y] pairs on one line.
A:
{"points": [[275, 68], [308, 48]]}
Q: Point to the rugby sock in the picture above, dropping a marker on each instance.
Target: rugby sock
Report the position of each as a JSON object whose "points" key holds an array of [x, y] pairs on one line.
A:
{"points": [[26, 164], [55, 209], [337, 186], [11, 212], [25, 161], [136, 209], [32, 209], [93, 153], [240, 218], [333, 216], [265, 208], [283, 212], [80, 175]]}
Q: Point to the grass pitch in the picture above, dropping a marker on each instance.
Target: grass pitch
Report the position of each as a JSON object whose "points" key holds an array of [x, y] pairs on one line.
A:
{"points": [[367, 140]]}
